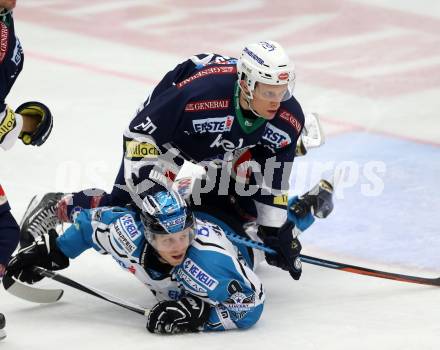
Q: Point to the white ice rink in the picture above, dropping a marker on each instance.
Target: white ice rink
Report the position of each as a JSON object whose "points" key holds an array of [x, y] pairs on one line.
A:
{"points": [[370, 68]]}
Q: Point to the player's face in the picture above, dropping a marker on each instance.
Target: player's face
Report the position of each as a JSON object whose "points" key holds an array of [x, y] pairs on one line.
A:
{"points": [[8, 4], [172, 248], [267, 98]]}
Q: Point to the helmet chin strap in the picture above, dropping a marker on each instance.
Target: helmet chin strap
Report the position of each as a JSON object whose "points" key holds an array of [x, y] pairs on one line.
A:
{"points": [[247, 98]]}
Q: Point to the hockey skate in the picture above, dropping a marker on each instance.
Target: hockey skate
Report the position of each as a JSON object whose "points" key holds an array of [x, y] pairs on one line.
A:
{"points": [[39, 218], [2, 326]]}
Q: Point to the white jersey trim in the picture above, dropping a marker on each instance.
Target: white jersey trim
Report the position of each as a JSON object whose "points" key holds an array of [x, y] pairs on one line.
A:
{"points": [[269, 215]]}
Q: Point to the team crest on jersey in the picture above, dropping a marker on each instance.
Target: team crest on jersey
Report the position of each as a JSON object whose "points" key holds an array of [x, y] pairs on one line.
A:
{"points": [[4, 36], [207, 105], [291, 119], [238, 303], [213, 125], [276, 137], [198, 274], [208, 71]]}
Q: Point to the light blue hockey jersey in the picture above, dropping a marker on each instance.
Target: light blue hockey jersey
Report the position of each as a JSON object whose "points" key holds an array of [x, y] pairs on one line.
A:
{"points": [[214, 269]]}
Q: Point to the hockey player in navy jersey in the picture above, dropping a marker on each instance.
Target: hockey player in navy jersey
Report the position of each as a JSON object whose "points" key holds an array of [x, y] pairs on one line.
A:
{"points": [[210, 110], [31, 122], [201, 280]]}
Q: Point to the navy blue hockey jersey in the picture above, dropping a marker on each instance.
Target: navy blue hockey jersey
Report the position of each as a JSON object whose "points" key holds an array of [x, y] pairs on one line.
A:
{"points": [[195, 109], [11, 63], [11, 57]]}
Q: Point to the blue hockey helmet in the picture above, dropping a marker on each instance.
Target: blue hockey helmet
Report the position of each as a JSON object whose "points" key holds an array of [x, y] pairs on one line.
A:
{"points": [[166, 213]]}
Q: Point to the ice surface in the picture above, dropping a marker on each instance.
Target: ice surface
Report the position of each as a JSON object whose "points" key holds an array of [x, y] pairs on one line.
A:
{"points": [[371, 69]]}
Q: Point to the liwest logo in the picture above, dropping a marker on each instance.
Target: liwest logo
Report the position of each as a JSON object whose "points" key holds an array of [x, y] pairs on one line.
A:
{"points": [[123, 239], [276, 137], [130, 227], [213, 125], [136, 149], [207, 105], [199, 274]]}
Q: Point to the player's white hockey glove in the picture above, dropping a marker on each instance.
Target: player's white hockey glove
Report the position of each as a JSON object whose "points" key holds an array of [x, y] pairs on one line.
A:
{"points": [[188, 314], [312, 135], [43, 117], [43, 252]]}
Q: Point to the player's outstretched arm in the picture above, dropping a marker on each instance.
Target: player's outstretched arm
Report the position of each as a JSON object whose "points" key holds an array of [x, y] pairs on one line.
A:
{"points": [[44, 252]]}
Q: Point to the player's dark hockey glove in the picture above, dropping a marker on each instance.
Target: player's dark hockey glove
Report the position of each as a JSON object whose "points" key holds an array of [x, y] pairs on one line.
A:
{"points": [[188, 314], [43, 252], [287, 247], [43, 117], [286, 243]]}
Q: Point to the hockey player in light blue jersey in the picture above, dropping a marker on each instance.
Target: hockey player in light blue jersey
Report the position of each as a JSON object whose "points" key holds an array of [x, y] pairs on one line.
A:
{"points": [[201, 280]]}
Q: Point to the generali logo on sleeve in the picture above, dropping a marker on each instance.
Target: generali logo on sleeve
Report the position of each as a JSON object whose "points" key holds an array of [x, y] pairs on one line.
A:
{"points": [[4, 36], [208, 71], [291, 119]]}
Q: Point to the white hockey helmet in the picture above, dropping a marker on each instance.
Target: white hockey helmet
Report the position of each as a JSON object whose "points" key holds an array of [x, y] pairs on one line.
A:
{"points": [[266, 62]]}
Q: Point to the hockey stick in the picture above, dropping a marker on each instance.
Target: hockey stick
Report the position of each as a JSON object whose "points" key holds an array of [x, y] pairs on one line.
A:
{"points": [[38, 295], [337, 265]]}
